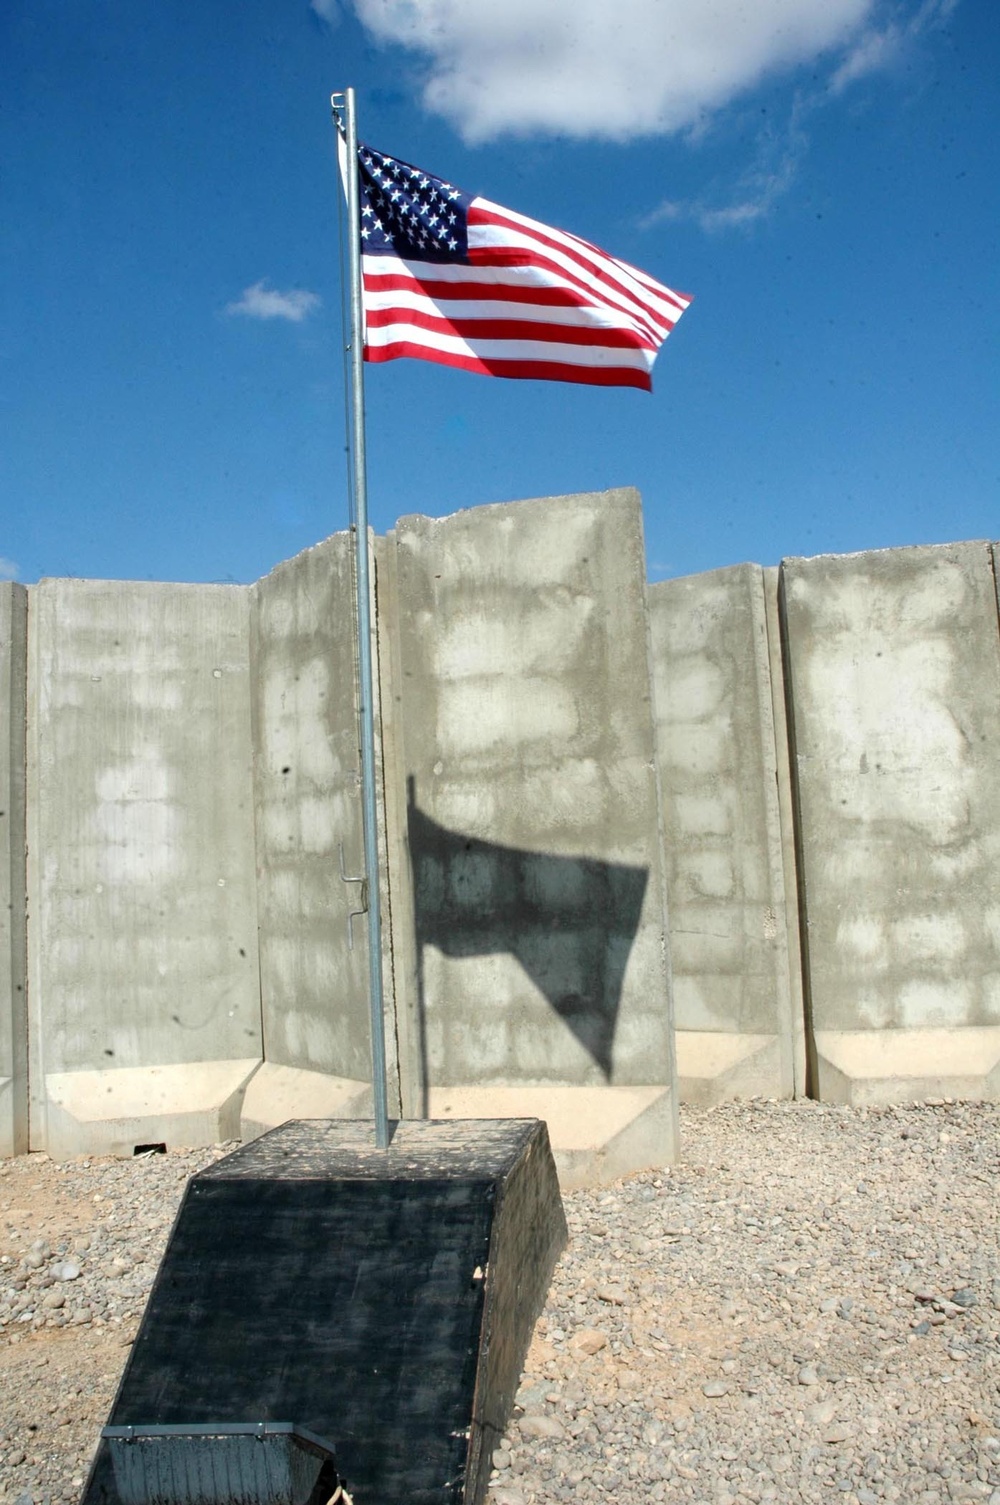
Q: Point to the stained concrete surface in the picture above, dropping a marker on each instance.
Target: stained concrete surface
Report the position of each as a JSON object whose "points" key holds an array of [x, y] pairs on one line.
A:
{"points": [[894, 665], [524, 711], [13, 895], [313, 955], [717, 759], [192, 774], [142, 936]]}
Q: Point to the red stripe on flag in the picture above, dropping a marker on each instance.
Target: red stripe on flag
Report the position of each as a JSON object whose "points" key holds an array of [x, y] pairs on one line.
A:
{"points": [[597, 376], [597, 336], [591, 262], [483, 291]]}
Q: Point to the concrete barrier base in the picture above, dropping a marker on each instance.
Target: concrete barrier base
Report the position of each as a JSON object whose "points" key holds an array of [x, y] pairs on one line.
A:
{"points": [[718, 1067], [597, 1133], [110, 1112], [279, 1093], [7, 1138], [868, 1067]]}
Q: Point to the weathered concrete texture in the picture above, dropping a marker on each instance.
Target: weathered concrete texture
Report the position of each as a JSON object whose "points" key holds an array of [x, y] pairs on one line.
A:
{"points": [[864, 1066], [727, 905], [278, 1093], [313, 957], [787, 825], [523, 703], [142, 936], [189, 1104], [894, 667], [13, 899], [598, 1134]]}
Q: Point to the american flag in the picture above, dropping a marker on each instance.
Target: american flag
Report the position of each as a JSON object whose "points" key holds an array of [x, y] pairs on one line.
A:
{"points": [[456, 279]]}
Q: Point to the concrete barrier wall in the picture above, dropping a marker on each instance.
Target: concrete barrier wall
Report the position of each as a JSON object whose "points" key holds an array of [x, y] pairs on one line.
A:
{"points": [[189, 755], [13, 895], [894, 672], [525, 765], [144, 991], [314, 983], [730, 913]]}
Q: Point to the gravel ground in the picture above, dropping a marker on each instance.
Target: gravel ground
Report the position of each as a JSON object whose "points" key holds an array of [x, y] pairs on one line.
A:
{"points": [[806, 1308]]}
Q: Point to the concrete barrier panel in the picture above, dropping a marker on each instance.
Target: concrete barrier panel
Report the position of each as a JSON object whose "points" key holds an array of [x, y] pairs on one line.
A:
{"points": [[524, 761], [314, 982], [894, 662], [13, 898], [144, 992], [726, 900]]}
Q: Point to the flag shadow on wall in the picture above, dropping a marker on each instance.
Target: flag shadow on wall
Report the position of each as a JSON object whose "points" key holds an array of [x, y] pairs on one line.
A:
{"points": [[570, 922]]}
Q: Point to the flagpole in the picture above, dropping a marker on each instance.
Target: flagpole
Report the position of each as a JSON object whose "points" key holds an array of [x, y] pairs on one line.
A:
{"points": [[367, 707]]}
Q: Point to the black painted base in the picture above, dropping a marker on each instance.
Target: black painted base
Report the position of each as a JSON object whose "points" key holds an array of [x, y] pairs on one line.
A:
{"points": [[382, 1299]]}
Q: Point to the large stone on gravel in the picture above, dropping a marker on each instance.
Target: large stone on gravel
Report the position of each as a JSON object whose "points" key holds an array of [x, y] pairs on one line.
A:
{"points": [[541, 1426]]}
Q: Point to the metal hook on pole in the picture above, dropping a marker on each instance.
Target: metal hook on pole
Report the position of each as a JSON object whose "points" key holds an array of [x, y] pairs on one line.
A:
{"points": [[353, 914]]}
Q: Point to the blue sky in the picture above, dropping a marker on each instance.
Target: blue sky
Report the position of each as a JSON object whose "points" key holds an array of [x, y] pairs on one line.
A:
{"points": [[822, 175]]}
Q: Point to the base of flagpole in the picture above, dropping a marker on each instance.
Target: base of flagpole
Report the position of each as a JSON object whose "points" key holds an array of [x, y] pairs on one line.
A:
{"points": [[382, 1299]]}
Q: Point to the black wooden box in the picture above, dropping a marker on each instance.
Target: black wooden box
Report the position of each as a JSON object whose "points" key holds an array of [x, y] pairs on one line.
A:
{"points": [[382, 1299]]}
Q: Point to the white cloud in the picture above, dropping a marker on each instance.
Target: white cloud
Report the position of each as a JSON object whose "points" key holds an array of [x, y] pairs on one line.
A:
{"points": [[614, 69], [755, 193], [8, 569], [327, 10], [263, 302], [879, 47]]}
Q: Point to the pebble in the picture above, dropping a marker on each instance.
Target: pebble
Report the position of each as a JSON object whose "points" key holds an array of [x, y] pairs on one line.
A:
{"points": [[541, 1426], [668, 1360], [589, 1341], [70, 1297], [613, 1295], [825, 1274]]}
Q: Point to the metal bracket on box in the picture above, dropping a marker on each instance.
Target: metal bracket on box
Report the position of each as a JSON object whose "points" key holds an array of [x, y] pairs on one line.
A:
{"points": [[222, 1463]]}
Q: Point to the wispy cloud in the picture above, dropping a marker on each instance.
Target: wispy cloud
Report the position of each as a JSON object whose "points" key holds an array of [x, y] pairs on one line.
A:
{"points": [[327, 10], [753, 195], [8, 569], [614, 69], [880, 47], [263, 302]]}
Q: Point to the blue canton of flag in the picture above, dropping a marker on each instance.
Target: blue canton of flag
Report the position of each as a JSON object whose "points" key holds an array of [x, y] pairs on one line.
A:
{"points": [[409, 212]]}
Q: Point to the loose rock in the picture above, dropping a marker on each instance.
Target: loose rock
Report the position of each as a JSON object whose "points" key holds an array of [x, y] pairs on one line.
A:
{"points": [[694, 1395]]}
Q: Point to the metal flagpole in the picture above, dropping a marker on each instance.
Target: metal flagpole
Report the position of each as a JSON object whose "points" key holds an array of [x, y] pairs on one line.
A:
{"points": [[367, 708]]}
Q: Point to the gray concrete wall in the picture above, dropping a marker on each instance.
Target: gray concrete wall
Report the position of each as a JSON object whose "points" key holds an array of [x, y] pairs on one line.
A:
{"points": [[524, 760], [13, 898], [181, 762], [894, 673], [717, 760], [314, 984], [144, 989]]}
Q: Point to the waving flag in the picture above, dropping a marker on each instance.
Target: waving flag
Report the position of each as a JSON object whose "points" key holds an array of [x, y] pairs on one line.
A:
{"points": [[456, 279]]}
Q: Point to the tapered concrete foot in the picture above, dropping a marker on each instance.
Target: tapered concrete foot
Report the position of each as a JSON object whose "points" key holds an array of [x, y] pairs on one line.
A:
{"points": [[870, 1066], [110, 1112], [278, 1093], [597, 1133], [716, 1068]]}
